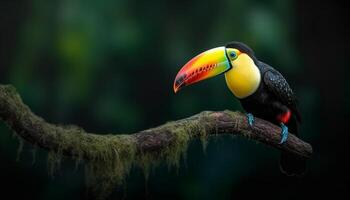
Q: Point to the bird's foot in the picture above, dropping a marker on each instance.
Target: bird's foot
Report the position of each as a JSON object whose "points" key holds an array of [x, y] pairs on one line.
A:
{"points": [[250, 118], [284, 133]]}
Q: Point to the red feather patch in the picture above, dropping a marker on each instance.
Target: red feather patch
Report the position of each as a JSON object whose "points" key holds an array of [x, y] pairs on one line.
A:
{"points": [[284, 118]]}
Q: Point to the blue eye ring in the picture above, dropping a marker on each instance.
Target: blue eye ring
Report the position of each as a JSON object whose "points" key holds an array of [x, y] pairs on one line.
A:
{"points": [[233, 54]]}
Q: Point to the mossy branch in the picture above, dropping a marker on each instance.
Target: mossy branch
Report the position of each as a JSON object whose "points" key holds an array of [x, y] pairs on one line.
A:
{"points": [[110, 157], [74, 141]]}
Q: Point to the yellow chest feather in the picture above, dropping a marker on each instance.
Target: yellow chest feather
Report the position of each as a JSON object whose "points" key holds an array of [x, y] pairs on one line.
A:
{"points": [[244, 78]]}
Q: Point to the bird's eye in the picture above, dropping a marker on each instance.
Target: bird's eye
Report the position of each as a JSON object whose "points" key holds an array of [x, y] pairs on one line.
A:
{"points": [[233, 54]]}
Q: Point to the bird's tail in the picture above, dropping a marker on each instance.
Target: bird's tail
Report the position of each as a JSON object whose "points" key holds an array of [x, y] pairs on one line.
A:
{"points": [[290, 164]]}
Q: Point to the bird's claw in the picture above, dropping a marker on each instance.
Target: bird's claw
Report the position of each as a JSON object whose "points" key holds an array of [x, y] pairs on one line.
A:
{"points": [[250, 118], [284, 133]]}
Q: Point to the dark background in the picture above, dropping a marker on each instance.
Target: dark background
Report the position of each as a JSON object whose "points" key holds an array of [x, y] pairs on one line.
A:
{"points": [[108, 66]]}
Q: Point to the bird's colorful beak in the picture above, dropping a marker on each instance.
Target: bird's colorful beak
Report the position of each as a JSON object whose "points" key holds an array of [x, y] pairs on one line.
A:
{"points": [[206, 65]]}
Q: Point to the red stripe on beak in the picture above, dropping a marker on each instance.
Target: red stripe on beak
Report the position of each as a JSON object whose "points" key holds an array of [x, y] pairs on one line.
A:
{"points": [[207, 64]]}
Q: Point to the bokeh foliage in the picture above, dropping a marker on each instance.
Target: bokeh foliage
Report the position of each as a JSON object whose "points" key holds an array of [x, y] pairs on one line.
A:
{"points": [[108, 66]]}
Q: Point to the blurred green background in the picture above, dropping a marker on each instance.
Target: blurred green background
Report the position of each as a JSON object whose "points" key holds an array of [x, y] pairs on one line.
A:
{"points": [[108, 66]]}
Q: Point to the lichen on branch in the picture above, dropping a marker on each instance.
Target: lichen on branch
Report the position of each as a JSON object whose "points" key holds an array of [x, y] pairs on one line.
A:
{"points": [[110, 157]]}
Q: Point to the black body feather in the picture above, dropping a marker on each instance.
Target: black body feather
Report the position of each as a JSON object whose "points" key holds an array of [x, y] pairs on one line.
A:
{"points": [[273, 97]]}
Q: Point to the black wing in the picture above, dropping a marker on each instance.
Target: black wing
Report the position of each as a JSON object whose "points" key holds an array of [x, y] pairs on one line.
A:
{"points": [[278, 85]]}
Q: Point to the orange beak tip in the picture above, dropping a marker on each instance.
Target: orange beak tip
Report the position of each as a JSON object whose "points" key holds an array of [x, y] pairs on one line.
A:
{"points": [[176, 89]]}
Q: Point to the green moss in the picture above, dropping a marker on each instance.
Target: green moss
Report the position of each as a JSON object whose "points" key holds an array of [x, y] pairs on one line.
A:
{"points": [[205, 123], [146, 162], [172, 154], [234, 115], [53, 162], [182, 134], [109, 158]]}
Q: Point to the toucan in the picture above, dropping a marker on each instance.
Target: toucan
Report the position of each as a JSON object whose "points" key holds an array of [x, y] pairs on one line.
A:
{"points": [[262, 91]]}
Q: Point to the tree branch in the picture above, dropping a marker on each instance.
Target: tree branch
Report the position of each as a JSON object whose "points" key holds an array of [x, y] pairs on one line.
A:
{"points": [[74, 141]]}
